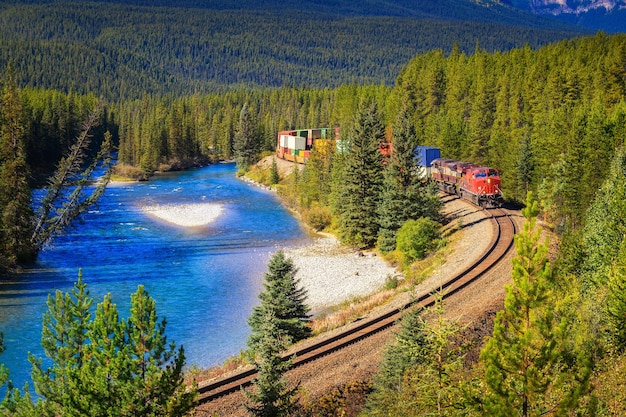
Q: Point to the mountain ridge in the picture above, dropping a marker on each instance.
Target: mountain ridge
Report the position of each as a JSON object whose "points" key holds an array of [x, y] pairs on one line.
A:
{"points": [[606, 15]]}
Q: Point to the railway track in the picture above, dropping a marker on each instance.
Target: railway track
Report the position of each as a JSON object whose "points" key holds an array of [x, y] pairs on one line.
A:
{"points": [[501, 243]]}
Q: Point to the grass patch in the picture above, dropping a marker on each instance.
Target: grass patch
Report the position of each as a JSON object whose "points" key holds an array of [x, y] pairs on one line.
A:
{"points": [[231, 364], [350, 310], [258, 174]]}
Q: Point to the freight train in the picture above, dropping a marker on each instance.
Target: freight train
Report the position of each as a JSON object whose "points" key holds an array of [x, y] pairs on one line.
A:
{"points": [[476, 183]]}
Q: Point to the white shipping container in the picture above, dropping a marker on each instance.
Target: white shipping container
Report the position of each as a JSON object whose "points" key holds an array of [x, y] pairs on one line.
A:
{"points": [[296, 142], [423, 172]]}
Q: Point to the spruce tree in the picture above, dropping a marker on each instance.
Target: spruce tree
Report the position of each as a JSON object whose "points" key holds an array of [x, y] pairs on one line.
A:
{"points": [[525, 166], [271, 396], [357, 186], [16, 213], [274, 175], [284, 299], [526, 373], [245, 143], [411, 347], [403, 188]]}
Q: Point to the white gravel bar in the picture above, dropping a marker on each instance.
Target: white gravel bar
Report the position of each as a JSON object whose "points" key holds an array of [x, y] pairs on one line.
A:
{"points": [[332, 273], [186, 215]]}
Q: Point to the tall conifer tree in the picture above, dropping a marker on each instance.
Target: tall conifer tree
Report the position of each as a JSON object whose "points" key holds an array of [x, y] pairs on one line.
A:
{"points": [[272, 397], [405, 193], [16, 214], [245, 143], [284, 299], [358, 186], [525, 368]]}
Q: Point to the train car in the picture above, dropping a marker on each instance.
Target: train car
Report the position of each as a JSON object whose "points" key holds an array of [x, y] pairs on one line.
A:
{"points": [[476, 183], [296, 145], [424, 156]]}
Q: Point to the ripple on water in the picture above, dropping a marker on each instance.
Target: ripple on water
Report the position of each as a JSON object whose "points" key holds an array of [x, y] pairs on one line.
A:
{"points": [[205, 280]]}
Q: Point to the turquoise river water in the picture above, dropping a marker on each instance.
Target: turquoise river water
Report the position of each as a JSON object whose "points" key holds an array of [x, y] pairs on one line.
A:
{"points": [[204, 279]]}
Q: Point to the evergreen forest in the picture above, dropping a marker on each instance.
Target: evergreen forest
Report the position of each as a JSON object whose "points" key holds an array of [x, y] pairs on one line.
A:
{"points": [[120, 51], [171, 88]]}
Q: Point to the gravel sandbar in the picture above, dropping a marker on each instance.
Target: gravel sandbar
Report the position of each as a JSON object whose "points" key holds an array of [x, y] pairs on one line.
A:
{"points": [[186, 215], [332, 273]]}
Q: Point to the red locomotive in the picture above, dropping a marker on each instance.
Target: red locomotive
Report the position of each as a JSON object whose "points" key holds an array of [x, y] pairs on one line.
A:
{"points": [[476, 183]]}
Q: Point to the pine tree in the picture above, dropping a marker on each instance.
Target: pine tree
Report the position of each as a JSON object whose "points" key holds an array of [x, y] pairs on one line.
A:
{"points": [[245, 143], [357, 186], [107, 366], [421, 375], [65, 197], [157, 387], [283, 298], [63, 339], [16, 214], [272, 397], [525, 370], [404, 194]]}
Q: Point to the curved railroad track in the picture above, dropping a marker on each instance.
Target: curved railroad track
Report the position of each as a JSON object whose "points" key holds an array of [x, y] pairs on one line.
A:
{"points": [[501, 243]]}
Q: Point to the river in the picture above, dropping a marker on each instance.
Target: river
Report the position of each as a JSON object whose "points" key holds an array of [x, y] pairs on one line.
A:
{"points": [[205, 279]]}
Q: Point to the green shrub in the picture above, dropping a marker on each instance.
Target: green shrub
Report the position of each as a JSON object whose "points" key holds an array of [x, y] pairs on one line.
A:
{"points": [[391, 282], [417, 238], [318, 217]]}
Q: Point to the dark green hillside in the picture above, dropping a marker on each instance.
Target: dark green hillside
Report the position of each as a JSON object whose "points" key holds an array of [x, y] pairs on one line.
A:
{"points": [[120, 51], [483, 11]]}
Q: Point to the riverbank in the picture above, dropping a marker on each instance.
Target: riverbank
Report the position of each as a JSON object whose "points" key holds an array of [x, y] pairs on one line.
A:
{"points": [[332, 273]]}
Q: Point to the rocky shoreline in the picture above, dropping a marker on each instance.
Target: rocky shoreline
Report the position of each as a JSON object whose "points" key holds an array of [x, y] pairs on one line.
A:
{"points": [[332, 273]]}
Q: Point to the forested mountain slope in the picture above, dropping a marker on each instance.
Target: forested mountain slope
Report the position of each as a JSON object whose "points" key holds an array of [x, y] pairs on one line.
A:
{"points": [[119, 50]]}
